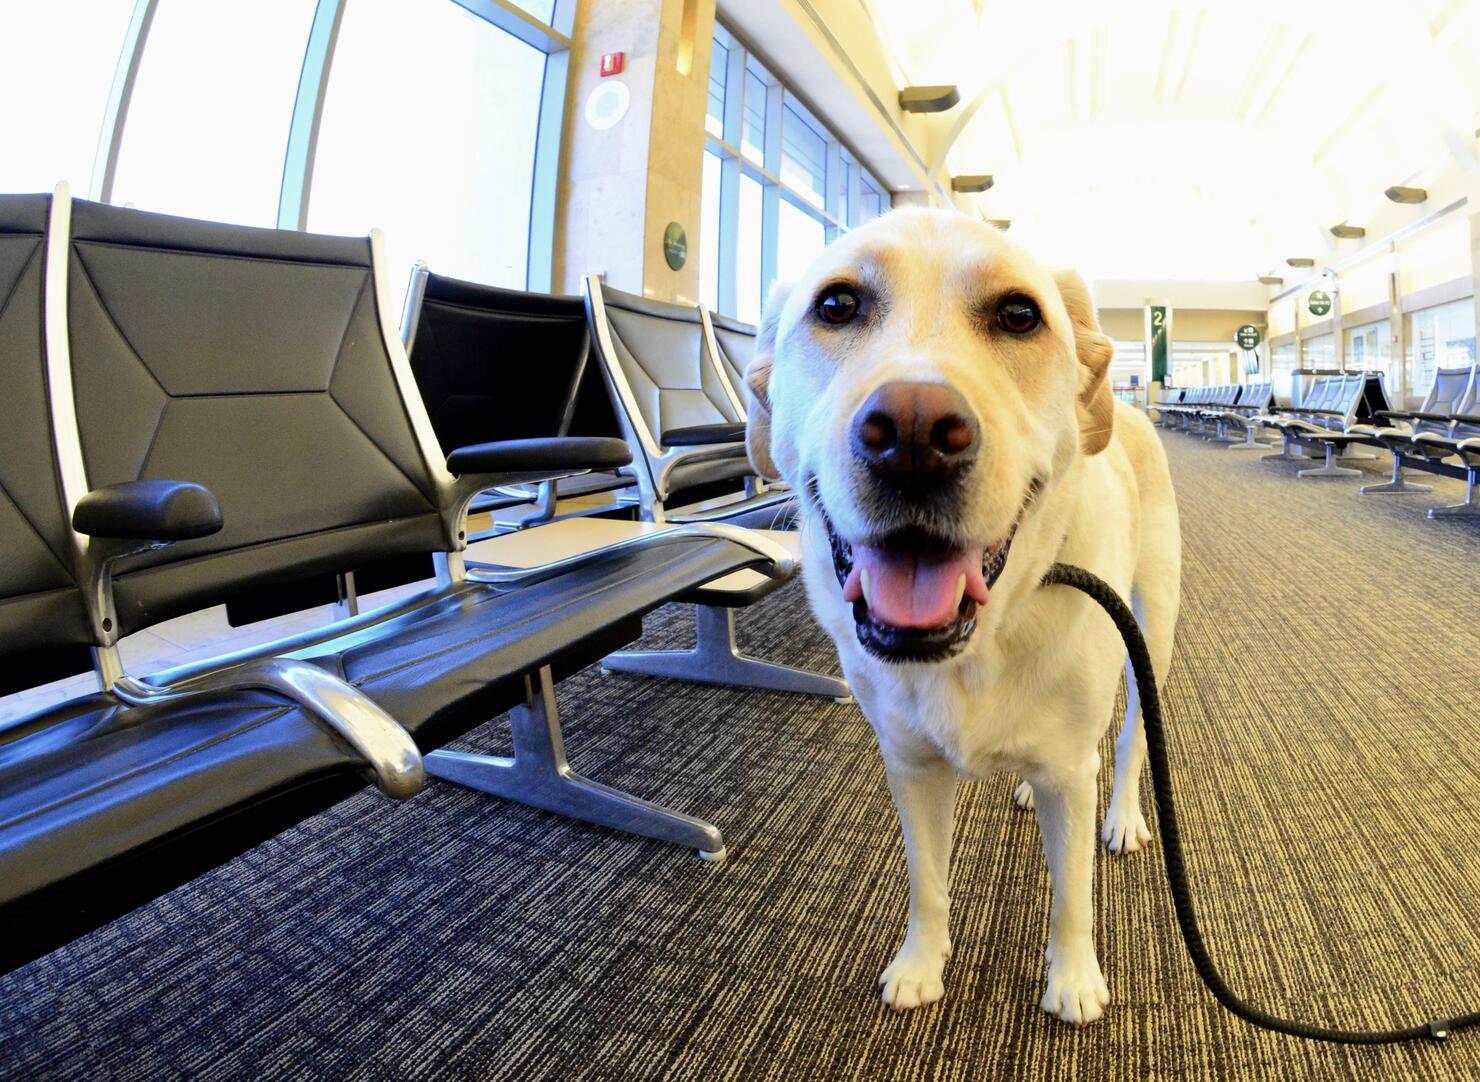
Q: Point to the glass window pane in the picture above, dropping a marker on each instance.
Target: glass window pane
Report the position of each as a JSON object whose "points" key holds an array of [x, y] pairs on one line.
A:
{"points": [[1318, 352], [753, 133], [709, 243], [1369, 348], [1440, 337], [54, 82], [719, 66], [449, 184], [871, 202], [543, 10], [800, 239], [208, 123], [748, 253], [803, 154], [1281, 366]]}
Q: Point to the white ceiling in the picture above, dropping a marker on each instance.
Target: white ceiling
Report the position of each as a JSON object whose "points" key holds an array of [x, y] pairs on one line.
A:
{"points": [[1167, 140]]}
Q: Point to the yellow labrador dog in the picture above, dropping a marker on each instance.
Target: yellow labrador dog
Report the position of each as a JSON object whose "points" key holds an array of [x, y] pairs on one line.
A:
{"points": [[941, 402]]}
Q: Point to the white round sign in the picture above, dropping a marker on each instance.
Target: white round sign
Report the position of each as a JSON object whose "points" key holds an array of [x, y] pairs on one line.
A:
{"points": [[607, 104]]}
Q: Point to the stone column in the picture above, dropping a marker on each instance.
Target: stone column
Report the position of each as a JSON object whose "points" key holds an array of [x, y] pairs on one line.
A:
{"points": [[621, 187]]}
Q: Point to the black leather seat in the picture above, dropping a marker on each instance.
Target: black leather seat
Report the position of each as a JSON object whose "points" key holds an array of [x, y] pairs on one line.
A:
{"points": [[735, 346], [259, 364], [683, 420]]}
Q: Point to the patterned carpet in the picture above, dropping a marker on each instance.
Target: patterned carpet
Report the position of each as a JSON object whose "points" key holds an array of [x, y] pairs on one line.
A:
{"points": [[1322, 713]]}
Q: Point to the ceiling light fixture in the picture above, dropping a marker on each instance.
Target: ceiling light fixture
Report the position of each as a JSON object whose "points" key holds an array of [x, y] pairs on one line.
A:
{"points": [[1348, 232], [1271, 280], [1400, 194], [971, 183], [928, 99], [1301, 262], [1003, 224]]}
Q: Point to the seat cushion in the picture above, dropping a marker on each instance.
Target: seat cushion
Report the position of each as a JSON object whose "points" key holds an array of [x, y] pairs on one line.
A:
{"points": [[104, 806]]}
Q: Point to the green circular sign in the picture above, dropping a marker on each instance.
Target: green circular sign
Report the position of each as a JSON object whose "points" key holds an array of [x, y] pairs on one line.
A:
{"points": [[675, 246], [1319, 303], [1247, 336]]}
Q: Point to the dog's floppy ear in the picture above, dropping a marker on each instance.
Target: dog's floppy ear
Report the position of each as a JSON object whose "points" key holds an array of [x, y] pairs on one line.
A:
{"points": [[1096, 405], [758, 387]]}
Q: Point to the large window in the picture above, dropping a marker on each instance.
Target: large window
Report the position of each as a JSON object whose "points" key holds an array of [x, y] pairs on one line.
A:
{"points": [[429, 133], [1318, 352], [1283, 361], [207, 126], [778, 185], [1369, 348], [436, 120], [55, 75], [1438, 337]]}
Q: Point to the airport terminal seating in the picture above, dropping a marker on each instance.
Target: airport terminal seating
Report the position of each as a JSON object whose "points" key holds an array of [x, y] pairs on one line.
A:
{"points": [[473, 350], [734, 344], [195, 410], [1442, 436], [513, 364], [1320, 425], [679, 413]]}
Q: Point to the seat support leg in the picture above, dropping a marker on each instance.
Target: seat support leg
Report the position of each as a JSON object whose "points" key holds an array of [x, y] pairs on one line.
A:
{"points": [[716, 659], [539, 775], [1250, 440], [1330, 469], [1399, 483], [1468, 509]]}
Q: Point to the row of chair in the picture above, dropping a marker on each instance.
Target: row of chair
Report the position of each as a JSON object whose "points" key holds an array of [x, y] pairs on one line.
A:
{"points": [[197, 412], [1223, 408], [1342, 413]]}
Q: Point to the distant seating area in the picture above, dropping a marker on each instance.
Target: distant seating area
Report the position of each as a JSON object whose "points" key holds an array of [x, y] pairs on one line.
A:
{"points": [[1342, 414]]}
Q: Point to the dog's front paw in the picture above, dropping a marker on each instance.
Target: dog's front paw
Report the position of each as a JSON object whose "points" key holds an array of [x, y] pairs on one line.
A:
{"points": [[913, 979], [1076, 988], [1022, 796], [1125, 829]]}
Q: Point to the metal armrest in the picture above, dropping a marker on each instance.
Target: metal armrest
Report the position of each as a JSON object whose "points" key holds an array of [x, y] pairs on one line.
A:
{"points": [[159, 511], [1396, 415], [562, 454], [126, 520], [699, 435], [713, 452], [783, 563], [386, 747]]}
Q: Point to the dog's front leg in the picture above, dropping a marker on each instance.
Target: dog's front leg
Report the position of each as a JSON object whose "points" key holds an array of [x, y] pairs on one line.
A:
{"points": [[924, 790], [1064, 801]]}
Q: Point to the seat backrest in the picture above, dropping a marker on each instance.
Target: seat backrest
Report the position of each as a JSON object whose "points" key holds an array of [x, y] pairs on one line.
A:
{"points": [[260, 364], [40, 604], [736, 342], [658, 351], [499, 364], [1322, 392], [1448, 394]]}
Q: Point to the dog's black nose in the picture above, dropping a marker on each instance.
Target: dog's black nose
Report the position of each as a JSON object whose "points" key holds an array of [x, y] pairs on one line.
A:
{"points": [[915, 435]]}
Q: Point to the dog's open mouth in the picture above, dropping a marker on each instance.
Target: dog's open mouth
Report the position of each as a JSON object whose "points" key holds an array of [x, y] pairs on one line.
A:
{"points": [[915, 595]]}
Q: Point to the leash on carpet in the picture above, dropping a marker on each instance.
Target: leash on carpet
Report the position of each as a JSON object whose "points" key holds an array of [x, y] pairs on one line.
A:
{"points": [[1171, 840]]}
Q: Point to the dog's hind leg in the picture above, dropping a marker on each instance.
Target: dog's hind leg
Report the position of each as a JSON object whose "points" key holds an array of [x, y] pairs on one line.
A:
{"points": [[924, 795]]}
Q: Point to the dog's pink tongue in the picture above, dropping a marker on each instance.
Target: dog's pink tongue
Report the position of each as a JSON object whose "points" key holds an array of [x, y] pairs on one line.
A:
{"points": [[908, 589]]}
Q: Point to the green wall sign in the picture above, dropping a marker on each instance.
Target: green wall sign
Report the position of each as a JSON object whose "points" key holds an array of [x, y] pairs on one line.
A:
{"points": [[1247, 336], [1158, 326], [675, 246], [1319, 303]]}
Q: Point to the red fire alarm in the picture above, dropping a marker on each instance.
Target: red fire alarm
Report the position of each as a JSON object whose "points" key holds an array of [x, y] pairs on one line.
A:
{"points": [[611, 64]]}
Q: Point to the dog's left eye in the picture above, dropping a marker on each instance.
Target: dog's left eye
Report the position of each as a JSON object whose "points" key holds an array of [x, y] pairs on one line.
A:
{"points": [[1018, 315]]}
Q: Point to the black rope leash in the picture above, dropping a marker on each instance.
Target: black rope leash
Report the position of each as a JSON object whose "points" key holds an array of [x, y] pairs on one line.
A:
{"points": [[1171, 840]]}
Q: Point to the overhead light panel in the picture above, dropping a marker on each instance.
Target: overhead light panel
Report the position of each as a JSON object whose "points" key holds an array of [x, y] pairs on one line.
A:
{"points": [[1003, 224], [1270, 280], [1399, 194], [928, 99], [975, 183], [1300, 262], [1348, 232]]}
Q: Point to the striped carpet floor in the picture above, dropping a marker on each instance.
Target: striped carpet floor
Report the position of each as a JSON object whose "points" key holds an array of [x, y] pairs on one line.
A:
{"points": [[1322, 711]]}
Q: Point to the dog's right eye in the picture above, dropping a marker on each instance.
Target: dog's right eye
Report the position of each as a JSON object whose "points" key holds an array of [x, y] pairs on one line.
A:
{"points": [[837, 305]]}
